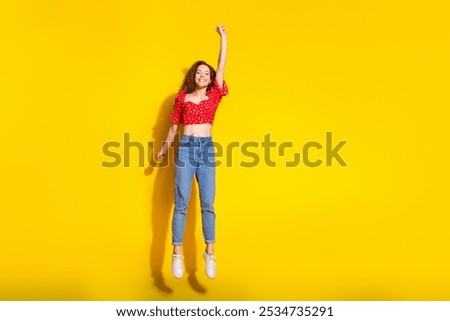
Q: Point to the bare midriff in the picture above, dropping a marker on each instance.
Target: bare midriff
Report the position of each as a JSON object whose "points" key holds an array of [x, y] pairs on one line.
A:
{"points": [[200, 130]]}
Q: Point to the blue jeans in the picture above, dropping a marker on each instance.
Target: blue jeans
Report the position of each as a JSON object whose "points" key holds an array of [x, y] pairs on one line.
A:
{"points": [[195, 157]]}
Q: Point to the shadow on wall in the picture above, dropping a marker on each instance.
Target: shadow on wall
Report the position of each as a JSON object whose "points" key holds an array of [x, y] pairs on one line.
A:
{"points": [[162, 208]]}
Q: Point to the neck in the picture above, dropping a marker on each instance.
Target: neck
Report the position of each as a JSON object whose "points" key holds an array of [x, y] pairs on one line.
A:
{"points": [[200, 91]]}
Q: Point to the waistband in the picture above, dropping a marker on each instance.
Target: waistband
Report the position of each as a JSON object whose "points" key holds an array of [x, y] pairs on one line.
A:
{"points": [[192, 138]]}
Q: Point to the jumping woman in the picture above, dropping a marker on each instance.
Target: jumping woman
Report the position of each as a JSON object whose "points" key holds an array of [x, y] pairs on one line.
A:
{"points": [[195, 107]]}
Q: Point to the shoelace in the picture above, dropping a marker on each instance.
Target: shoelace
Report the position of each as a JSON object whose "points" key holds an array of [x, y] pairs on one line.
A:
{"points": [[177, 256], [211, 257]]}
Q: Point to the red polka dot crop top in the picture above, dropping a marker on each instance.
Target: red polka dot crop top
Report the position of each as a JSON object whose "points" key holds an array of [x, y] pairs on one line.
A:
{"points": [[189, 113]]}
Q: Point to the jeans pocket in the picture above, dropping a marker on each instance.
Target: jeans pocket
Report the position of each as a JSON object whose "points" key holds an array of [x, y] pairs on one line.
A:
{"points": [[184, 144]]}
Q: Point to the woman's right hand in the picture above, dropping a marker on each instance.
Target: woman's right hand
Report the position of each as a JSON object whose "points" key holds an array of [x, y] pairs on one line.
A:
{"points": [[160, 154]]}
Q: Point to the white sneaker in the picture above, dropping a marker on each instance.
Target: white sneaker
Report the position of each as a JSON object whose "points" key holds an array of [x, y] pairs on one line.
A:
{"points": [[210, 266], [177, 266]]}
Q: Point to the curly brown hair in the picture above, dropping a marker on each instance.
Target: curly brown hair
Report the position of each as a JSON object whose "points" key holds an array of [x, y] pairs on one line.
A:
{"points": [[189, 80]]}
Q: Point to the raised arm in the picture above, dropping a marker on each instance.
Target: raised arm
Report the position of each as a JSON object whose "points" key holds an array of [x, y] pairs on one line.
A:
{"points": [[222, 55]]}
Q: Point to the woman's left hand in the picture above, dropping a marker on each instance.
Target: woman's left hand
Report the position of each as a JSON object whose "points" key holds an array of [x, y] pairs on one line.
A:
{"points": [[221, 30]]}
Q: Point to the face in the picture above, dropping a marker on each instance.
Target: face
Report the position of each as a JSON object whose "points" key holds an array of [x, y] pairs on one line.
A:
{"points": [[202, 76]]}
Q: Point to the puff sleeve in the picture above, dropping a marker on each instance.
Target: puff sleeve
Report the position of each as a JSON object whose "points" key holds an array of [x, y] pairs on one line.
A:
{"points": [[177, 115], [219, 92]]}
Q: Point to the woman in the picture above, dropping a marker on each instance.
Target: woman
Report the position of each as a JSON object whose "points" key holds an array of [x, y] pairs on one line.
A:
{"points": [[195, 107]]}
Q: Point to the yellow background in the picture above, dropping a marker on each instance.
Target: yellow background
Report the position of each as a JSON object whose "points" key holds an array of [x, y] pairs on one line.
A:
{"points": [[77, 74]]}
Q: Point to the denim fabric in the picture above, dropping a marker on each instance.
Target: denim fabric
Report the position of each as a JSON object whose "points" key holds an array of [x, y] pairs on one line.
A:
{"points": [[195, 157]]}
